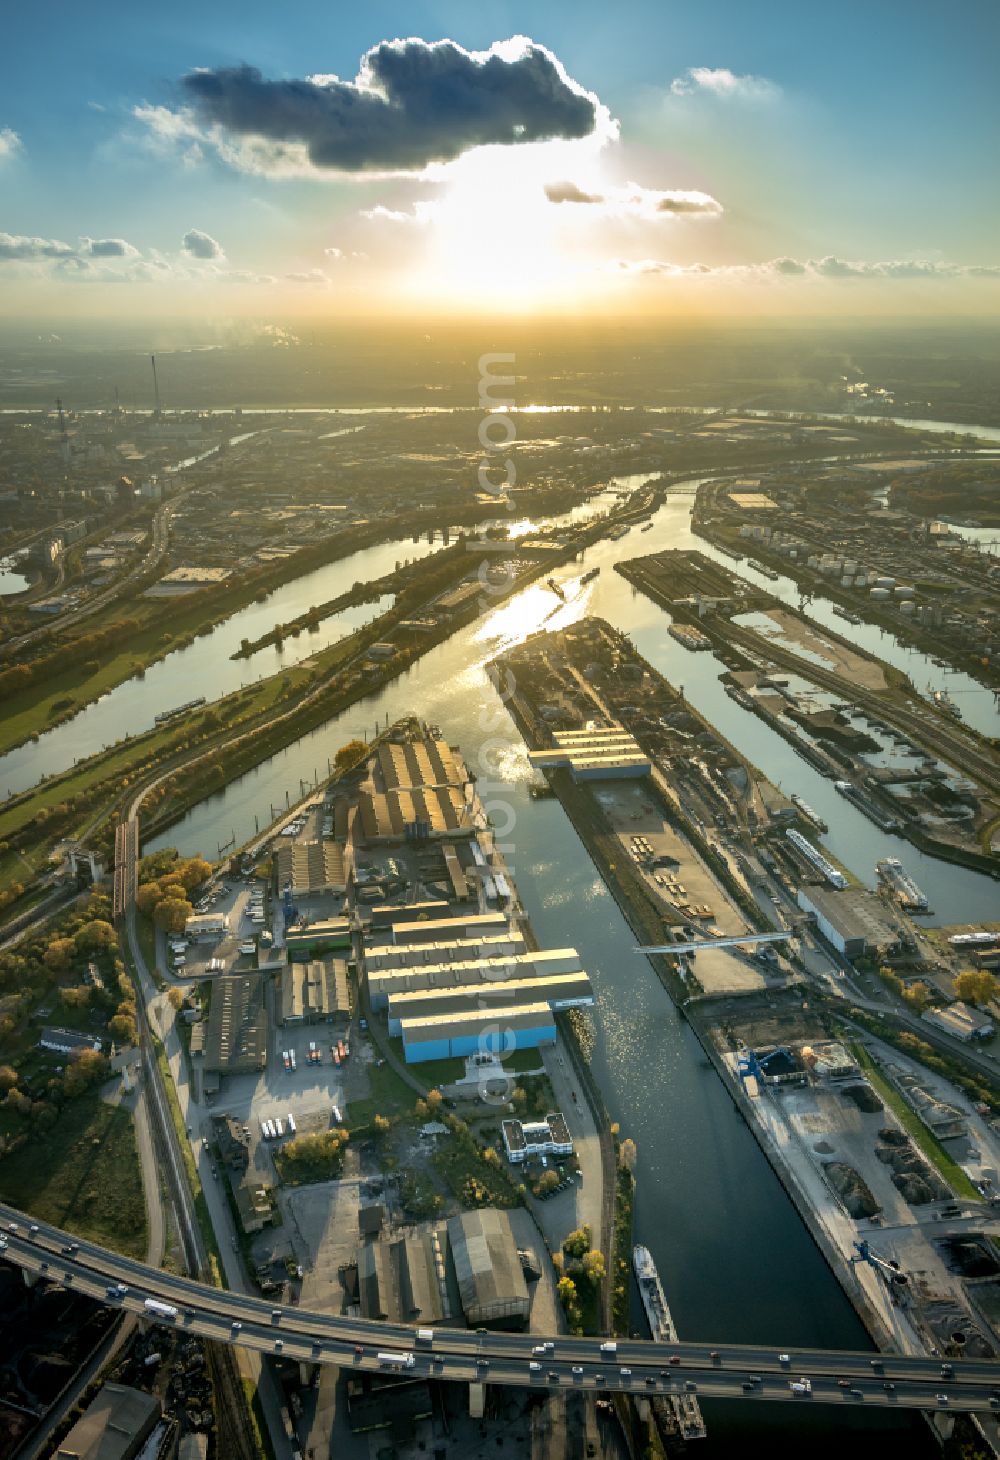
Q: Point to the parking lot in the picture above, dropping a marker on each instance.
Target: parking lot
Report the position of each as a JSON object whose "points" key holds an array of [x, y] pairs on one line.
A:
{"points": [[233, 898]]}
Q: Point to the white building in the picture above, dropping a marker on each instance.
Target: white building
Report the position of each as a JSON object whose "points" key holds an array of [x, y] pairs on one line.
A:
{"points": [[548, 1137]]}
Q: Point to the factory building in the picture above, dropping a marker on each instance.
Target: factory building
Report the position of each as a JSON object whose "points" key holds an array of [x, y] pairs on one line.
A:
{"points": [[114, 1426], [315, 991], [398, 1278], [961, 1021], [600, 753], [206, 927], [311, 867], [482, 1031], [425, 811], [237, 1032], [460, 950], [491, 1283], [478, 973], [432, 929], [852, 921], [548, 1137], [386, 915], [306, 940], [565, 991]]}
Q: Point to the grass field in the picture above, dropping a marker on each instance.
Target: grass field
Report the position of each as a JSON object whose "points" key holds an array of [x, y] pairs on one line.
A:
{"points": [[924, 1139], [83, 1175]]}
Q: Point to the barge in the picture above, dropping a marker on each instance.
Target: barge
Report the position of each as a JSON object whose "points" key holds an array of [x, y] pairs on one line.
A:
{"points": [[690, 1422]]}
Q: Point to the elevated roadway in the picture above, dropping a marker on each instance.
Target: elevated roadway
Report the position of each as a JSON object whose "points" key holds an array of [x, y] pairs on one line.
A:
{"points": [[740, 1371]]}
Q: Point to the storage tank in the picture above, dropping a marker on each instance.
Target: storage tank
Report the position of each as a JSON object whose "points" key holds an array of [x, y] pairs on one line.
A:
{"points": [[884, 582], [861, 581], [907, 606], [851, 566], [847, 581], [880, 594], [904, 592], [812, 561]]}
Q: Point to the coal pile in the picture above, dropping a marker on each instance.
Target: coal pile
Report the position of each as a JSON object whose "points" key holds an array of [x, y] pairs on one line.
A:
{"points": [[851, 1188]]}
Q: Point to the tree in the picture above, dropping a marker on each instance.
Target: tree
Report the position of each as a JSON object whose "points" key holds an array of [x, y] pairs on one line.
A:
{"points": [[627, 1154], [176, 1000], [578, 1242], [918, 996], [975, 986], [18, 1102], [593, 1266], [172, 914], [566, 1288], [421, 1109], [519, 1098], [381, 1124], [88, 1068], [434, 1100], [59, 954], [193, 872], [147, 897], [94, 936], [75, 998], [548, 1181], [348, 755], [122, 1029], [8, 1077]]}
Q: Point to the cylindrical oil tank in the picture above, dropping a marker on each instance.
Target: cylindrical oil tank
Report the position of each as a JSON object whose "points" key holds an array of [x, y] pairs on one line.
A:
{"points": [[880, 594]]}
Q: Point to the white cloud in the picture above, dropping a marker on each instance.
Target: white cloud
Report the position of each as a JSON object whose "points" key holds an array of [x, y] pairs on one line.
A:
{"points": [[649, 203], [10, 144], [334, 253], [314, 277], [720, 81], [829, 267], [423, 211], [198, 245]]}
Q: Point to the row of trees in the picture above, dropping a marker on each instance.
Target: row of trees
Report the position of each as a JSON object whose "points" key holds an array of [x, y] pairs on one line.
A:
{"points": [[582, 1271], [165, 895]]}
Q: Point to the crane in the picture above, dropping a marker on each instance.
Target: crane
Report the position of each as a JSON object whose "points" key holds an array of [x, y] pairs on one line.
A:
{"points": [[886, 1268]]}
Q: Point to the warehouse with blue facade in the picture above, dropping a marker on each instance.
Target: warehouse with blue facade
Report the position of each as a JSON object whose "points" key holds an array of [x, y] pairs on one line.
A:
{"points": [[477, 1031]]}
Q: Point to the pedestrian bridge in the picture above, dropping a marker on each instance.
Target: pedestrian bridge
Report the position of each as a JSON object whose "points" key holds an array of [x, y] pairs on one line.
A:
{"points": [[731, 941], [732, 1370]]}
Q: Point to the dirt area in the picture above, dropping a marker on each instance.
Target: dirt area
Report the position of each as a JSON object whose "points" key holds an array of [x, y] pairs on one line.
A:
{"points": [[834, 656]]}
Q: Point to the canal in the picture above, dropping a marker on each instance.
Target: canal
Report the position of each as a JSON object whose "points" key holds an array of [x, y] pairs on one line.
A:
{"points": [[734, 1255]]}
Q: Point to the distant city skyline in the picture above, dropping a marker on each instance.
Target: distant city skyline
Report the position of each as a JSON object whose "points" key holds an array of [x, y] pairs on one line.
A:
{"points": [[681, 160]]}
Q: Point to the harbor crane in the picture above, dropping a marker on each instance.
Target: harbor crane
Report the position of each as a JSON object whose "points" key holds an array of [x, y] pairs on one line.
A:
{"points": [[886, 1268]]}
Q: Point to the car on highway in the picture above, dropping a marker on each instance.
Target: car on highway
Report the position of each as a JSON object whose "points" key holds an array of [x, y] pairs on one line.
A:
{"points": [[889, 1387], [625, 1373], [784, 1358], [941, 1398], [578, 1370], [534, 1368], [844, 1383]]}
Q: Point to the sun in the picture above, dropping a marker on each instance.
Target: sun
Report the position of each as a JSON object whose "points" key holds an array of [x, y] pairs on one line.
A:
{"points": [[493, 240]]}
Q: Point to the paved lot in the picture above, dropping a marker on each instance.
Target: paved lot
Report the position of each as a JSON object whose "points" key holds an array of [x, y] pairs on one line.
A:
{"points": [[631, 814]]}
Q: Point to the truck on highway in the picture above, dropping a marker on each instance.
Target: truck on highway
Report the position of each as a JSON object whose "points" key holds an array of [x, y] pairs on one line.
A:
{"points": [[390, 1360], [801, 1386], [161, 1310], [425, 1335]]}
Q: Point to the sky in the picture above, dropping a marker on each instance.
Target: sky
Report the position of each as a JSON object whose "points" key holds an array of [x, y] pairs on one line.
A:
{"points": [[676, 158]]}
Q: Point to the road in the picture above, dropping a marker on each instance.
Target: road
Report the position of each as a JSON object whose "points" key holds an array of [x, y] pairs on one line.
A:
{"points": [[897, 1380]]}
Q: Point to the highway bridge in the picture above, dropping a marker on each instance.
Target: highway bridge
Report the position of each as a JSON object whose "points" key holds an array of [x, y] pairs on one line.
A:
{"points": [[732, 940], [727, 1370]]}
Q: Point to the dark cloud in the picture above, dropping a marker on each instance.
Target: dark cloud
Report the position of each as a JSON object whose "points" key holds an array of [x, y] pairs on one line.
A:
{"points": [[200, 245], [107, 248], [413, 103], [568, 192]]}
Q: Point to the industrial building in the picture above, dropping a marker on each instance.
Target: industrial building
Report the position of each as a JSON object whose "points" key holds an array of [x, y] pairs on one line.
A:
{"points": [[398, 1278], [477, 973], [114, 1426], [598, 753], [314, 992], [428, 811], [548, 1137], [386, 915], [206, 927], [853, 921], [483, 1031], [311, 867], [68, 1041], [961, 1021], [466, 925], [458, 950], [491, 1283], [237, 1032], [306, 940], [561, 991]]}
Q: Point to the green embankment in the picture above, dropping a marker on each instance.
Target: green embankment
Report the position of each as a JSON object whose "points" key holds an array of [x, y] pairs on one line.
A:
{"points": [[83, 1175]]}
